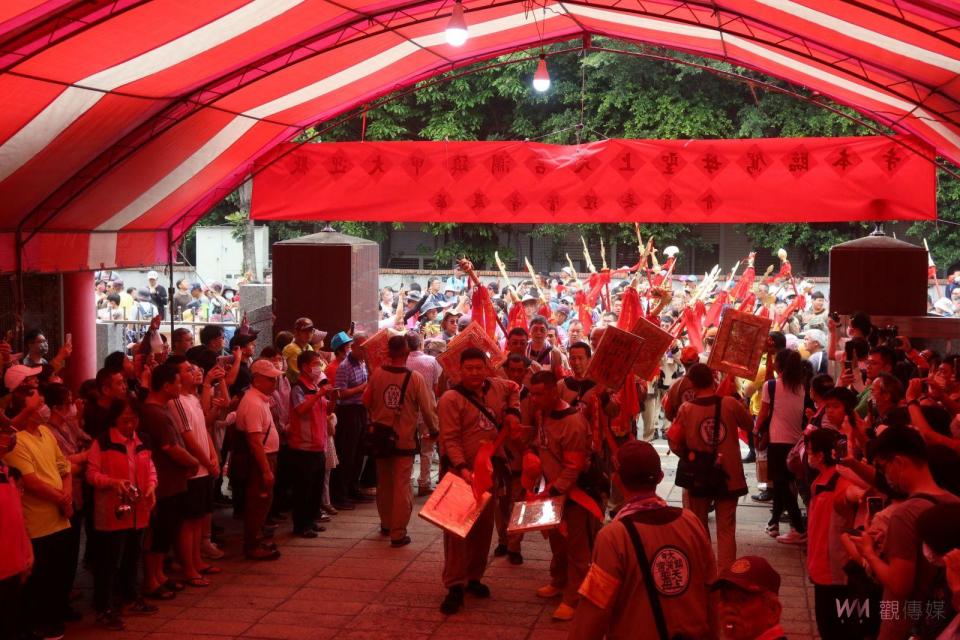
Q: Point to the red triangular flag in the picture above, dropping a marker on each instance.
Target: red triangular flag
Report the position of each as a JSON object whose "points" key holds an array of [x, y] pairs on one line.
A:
{"points": [[631, 310], [517, 317], [712, 319], [692, 325], [584, 313], [483, 312], [744, 284]]}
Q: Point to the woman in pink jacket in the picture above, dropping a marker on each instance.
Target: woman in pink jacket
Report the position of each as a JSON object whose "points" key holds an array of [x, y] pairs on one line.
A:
{"points": [[124, 478]]}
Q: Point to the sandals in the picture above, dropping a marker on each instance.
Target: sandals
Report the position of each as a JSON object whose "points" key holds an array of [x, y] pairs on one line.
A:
{"points": [[174, 585], [160, 593], [198, 583]]}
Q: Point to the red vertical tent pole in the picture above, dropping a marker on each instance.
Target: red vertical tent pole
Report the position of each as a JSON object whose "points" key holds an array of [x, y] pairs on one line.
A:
{"points": [[80, 321]]}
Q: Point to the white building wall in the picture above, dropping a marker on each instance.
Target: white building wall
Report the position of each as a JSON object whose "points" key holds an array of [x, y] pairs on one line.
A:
{"points": [[220, 257]]}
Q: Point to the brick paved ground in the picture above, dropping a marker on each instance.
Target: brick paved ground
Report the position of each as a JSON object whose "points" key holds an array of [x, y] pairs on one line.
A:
{"points": [[350, 583]]}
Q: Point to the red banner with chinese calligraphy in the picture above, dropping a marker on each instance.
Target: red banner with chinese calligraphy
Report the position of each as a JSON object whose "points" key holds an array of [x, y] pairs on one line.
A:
{"points": [[753, 180]]}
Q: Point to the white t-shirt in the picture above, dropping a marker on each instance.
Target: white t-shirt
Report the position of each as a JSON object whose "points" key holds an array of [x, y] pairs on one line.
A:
{"points": [[188, 415], [253, 416], [786, 423]]}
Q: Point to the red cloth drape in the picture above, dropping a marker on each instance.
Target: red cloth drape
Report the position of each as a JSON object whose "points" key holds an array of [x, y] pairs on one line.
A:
{"points": [[483, 312]]}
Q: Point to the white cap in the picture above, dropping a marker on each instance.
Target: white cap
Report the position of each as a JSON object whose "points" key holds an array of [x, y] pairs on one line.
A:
{"points": [[153, 275], [16, 374]]}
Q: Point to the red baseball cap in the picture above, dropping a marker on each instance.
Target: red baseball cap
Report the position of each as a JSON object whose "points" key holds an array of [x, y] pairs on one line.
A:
{"points": [[750, 573], [689, 354]]}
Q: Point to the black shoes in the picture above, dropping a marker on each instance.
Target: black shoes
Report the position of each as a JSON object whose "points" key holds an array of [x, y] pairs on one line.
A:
{"points": [[515, 557], [764, 496], [402, 542], [478, 589], [500, 551], [453, 602]]}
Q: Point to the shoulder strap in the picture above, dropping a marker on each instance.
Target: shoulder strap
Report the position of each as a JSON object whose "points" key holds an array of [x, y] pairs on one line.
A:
{"points": [[403, 389], [716, 426], [651, 586], [480, 407]]}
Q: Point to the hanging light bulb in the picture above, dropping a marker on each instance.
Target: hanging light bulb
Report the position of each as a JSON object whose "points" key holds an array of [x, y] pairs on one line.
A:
{"points": [[541, 78], [456, 31]]}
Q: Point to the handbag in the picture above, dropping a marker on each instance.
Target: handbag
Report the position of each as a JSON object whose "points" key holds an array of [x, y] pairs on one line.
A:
{"points": [[241, 458], [379, 440], [701, 474]]}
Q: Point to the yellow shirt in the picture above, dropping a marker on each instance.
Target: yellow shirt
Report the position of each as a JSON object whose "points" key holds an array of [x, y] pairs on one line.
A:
{"points": [[290, 353], [39, 454]]}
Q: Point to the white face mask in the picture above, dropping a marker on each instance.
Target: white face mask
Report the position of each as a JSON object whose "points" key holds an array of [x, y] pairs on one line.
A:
{"points": [[932, 557], [44, 414]]}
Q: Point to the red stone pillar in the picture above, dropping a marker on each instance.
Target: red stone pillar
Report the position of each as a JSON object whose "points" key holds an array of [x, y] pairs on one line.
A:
{"points": [[80, 321]]}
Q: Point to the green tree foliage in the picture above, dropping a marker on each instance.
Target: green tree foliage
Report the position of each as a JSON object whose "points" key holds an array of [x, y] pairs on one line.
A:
{"points": [[599, 94]]}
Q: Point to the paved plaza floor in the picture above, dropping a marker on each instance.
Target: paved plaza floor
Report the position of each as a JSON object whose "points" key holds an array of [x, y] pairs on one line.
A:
{"points": [[349, 583]]}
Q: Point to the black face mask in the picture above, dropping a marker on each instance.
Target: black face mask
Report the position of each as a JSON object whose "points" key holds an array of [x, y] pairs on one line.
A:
{"points": [[883, 486]]}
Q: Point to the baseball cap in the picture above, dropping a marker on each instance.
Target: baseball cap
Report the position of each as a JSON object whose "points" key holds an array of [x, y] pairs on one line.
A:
{"points": [[339, 340], [303, 324], [750, 573], [264, 367], [817, 295], [153, 275], [243, 339], [16, 374], [564, 309], [638, 463], [452, 312], [689, 354]]}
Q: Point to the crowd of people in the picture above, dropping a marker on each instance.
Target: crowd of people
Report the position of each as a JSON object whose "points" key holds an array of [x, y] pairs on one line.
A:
{"points": [[191, 301], [853, 430]]}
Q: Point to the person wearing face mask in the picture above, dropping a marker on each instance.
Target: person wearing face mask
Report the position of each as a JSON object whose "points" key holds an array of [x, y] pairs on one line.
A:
{"points": [[825, 552], [16, 561], [307, 442], [124, 478], [75, 444], [47, 507], [901, 458]]}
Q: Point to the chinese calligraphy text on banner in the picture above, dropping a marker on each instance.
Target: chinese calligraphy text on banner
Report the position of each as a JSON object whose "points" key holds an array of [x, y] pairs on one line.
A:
{"points": [[752, 180]]}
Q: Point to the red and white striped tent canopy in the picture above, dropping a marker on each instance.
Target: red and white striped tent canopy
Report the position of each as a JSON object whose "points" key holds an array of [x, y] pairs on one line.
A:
{"points": [[124, 121]]}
